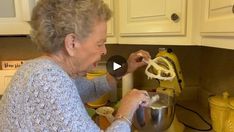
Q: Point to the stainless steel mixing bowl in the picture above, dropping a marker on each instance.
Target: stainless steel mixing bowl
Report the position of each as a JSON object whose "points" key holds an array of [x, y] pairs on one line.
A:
{"points": [[158, 116]]}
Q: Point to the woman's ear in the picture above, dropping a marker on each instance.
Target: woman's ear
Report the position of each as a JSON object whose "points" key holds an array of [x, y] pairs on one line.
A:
{"points": [[71, 44]]}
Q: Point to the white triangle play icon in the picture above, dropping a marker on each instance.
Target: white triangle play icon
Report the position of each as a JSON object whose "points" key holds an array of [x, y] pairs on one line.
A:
{"points": [[116, 66]]}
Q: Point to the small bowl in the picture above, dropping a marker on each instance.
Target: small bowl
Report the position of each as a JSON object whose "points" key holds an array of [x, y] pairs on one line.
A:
{"points": [[158, 116], [91, 111], [105, 116]]}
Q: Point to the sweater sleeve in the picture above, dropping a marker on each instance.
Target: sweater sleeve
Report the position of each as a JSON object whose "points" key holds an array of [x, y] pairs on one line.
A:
{"points": [[90, 90], [55, 105], [119, 126], [44, 98]]}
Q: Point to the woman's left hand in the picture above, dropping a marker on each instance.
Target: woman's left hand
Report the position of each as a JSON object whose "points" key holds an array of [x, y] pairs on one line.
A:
{"points": [[135, 60]]}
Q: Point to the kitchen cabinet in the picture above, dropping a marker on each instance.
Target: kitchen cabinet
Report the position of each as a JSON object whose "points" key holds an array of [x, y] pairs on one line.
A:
{"points": [[5, 78], [111, 25], [148, 22], [217, 17], [14, 16], [152, 17], [217, 20], [152, 20]]}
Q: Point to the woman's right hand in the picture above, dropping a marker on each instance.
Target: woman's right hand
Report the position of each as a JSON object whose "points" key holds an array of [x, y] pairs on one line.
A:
{"points": [[131, 101]]}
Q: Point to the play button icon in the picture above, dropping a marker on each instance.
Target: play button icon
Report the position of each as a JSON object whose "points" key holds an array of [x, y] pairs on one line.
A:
{"points": [[117, 66]]}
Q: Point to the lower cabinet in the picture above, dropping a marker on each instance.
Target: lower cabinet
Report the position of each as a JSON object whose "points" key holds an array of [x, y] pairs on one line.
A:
{"points": [[5, 78]]}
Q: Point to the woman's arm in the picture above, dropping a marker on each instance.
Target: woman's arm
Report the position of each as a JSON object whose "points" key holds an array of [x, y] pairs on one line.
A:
{"points": [[89, 90], [58, 106]]}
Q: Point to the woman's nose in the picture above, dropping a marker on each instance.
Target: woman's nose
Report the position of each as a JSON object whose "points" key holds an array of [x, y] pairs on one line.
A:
{"points": [[104, 51]]}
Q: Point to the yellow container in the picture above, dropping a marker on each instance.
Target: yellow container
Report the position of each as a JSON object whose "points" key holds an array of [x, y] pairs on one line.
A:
{"points": [[219, 111], [103, 99], [229, 124]]}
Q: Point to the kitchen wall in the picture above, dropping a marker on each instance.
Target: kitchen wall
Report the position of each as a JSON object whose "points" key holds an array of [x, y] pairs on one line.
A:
{"points": [[207, 71], [217, 73], [17, 48], [189, 57]]}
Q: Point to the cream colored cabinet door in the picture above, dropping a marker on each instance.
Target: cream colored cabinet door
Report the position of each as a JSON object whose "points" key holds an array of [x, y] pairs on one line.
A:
{"points": [[111, 25], [14, 16], [5, 78], [152, 17], [217, 17]]}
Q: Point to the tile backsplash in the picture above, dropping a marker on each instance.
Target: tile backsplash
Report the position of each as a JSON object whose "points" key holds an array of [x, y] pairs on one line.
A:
{"points": [[207, 71], [189, 58], [17, 48], [217, 73]]}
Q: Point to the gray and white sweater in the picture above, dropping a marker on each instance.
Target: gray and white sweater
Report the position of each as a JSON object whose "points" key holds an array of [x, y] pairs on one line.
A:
{"points": [[42, 97]]}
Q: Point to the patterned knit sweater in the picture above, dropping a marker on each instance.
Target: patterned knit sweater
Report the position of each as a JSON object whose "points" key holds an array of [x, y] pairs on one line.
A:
{"points": [[42, 97]]}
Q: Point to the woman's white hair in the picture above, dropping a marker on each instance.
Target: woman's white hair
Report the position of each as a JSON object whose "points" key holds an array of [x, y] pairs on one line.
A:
{"points": [[52, 20]]}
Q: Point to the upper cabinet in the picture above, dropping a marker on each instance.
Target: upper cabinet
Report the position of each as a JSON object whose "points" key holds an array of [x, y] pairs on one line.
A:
{"points": [[148, 22], [217, 17], [152, 17], [153, 22], [14, 16], [111, 25]]}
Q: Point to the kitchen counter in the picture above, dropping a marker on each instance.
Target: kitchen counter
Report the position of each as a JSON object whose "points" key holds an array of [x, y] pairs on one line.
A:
{"points": [[191, 118]]}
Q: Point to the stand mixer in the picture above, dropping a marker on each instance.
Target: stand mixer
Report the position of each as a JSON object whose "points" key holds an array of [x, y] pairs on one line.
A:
{"points": [[165, 67]]}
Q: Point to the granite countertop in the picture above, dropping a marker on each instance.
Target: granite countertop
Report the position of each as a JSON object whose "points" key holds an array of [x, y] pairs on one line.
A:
{"points": [[191, 118]]}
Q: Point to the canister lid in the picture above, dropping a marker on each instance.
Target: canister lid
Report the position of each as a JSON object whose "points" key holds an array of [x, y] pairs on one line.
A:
{"points": [[220, 100]]}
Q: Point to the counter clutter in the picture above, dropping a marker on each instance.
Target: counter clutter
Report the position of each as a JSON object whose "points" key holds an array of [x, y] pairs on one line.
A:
{"points": [[100, 120], [183, 115]]}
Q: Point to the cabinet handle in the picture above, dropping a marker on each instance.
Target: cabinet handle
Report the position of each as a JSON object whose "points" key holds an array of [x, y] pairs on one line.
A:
{"points": [[174, 17], [232, 8]]}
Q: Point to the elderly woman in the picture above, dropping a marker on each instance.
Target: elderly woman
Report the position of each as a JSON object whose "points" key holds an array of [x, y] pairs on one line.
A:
{"points": [[48, 93]]}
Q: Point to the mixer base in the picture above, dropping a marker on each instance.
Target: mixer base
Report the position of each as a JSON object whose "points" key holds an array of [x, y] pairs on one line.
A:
{"points": [[176, 126]]}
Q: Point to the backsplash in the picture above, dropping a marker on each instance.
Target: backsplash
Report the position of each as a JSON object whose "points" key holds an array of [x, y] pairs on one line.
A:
{"points": [[189, 58], [207, 71], [17, 48], [217, 73]]}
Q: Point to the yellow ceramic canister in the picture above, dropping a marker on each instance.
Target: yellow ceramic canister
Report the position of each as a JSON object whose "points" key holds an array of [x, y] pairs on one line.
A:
{"points": [[219, 111], [229, 124], [103, 99]]}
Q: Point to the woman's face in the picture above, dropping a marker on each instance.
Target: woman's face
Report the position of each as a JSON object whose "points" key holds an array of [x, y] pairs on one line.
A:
{"points": [[92, 48]]}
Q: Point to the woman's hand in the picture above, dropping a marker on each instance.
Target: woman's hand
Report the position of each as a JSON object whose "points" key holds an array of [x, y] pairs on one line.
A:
{"points": [[131, 101], [135, 60]]}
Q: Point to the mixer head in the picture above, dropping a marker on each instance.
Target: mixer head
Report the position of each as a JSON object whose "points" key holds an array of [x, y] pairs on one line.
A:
{"points": [[165, 67], [160, 68]]}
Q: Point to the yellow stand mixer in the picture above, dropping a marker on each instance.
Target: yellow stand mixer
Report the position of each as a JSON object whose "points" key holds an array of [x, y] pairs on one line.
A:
{"points": [[174, 86], [165, 67]]}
